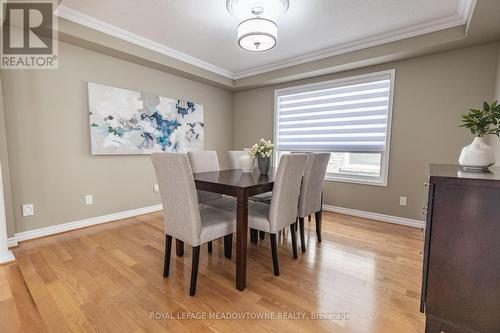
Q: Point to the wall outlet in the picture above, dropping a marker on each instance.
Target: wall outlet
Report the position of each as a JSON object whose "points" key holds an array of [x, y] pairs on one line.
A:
{"points": [[28, 210], [402, 201], [156, 188], [89, 200]]}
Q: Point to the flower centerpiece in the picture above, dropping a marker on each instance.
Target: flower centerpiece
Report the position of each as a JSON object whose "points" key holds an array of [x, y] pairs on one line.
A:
{"points": [[262, 151], [478, 155]]}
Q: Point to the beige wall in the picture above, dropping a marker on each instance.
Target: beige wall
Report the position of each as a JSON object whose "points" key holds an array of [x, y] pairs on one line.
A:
{"points": [[46, 116], [494, 141], [430, 94]]}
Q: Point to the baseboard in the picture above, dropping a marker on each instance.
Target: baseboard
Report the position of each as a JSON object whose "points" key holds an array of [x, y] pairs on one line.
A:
{"points": [[11, 242], [376, 216], [7, 258], [42, 232]]}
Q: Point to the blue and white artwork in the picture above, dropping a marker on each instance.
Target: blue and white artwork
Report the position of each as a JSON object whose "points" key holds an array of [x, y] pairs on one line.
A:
{"points": [[128, 122]]}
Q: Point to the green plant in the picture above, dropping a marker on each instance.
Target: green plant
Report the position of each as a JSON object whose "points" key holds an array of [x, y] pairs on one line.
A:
{"points": [[483, 122], [262, 149]]}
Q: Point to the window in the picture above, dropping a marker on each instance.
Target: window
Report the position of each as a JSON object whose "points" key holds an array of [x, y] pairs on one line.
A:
{"points": [[350, 118]]}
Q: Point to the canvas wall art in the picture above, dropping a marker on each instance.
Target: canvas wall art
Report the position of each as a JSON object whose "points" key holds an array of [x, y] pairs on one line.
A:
{"points": [[129, 122]]}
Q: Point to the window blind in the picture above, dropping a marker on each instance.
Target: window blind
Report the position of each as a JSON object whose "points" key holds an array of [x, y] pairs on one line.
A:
{"points": [[350, 116]]}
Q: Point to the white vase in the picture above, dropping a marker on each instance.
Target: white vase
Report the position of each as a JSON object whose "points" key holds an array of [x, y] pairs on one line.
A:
{"points": [[477, 155], [247, 163]]}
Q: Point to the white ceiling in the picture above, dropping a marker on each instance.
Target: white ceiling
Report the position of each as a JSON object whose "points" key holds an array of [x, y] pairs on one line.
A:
{"points": [[203, 33]]}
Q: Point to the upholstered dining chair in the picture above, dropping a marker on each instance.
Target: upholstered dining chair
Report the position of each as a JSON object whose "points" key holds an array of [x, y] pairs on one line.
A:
{"points": [[311, 192], [282, 212], [185, 219], [234, 158], [207, 161]]}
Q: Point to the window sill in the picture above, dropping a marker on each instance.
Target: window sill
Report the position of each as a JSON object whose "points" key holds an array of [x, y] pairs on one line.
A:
{"points": [[359, 181]]}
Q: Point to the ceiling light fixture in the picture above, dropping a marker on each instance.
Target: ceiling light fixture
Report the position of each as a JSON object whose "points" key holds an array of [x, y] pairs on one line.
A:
{"points": [[257, 32]]}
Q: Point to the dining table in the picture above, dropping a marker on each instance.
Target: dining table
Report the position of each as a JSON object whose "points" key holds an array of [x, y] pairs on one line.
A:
{"points": [[241, 185]]}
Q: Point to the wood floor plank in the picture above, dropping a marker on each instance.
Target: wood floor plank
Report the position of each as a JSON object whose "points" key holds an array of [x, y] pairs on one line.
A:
{"points": [[27, 312], [363, 277]]}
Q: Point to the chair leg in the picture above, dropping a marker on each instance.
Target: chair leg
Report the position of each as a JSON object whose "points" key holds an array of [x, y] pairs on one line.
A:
{"points": [[228, 246], [253, 236], [294, 241], [318, 216], [166, 260], [274, 252], [309, 217], [262, 234], [296, 224], [302, 236], [209, 244], [179, 248], [194, 270]]}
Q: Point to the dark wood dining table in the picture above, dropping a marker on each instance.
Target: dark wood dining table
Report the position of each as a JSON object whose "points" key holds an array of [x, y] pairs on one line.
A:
{"points": [[241, 185]]}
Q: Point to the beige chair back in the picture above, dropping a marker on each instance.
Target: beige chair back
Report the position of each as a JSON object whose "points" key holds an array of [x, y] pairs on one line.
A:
{"points": [[312, 183], [234, 158], [178, 194], [285, 198], [204, 161]]}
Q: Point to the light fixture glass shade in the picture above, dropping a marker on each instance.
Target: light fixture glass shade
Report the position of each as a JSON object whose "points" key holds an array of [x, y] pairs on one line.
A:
{"points": [[257, 34], [245, 9]]}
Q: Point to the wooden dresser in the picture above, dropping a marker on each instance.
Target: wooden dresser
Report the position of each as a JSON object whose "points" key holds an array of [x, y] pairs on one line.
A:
{"points": [[461, 273]]}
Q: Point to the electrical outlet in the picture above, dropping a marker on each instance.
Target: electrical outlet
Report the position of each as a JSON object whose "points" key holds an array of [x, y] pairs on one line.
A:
{"points": [[402, 201], [156, 188], [89, 200], [28, 210]]}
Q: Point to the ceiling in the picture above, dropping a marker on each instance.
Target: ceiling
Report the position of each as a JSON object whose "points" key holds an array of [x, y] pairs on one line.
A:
{"points": [[202, 33]]}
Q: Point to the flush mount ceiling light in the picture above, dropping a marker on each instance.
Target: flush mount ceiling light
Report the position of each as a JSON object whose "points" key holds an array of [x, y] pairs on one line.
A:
{"points": [[257, 32]]}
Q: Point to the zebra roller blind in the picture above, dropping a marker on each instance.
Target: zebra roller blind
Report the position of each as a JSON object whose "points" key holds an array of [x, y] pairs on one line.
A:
{"points": [[349, 115]]}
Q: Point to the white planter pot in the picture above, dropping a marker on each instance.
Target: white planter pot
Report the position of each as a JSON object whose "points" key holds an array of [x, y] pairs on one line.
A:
{"points": [[247, 163], [477, 155]]}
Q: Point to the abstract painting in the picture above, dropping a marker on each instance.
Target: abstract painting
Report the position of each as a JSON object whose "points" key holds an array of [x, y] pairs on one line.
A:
{"points": [[128, 122]]}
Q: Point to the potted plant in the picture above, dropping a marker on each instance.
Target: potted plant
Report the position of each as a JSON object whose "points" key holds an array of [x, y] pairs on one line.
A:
{"points": [[262, 151], [479, 155]]}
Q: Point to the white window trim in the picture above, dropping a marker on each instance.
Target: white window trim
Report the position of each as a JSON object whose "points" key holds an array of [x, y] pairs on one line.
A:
{"points": [[384, 168]]}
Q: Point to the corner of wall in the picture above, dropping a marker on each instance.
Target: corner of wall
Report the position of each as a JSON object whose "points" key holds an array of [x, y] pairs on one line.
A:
{"points": [[4, 161]]}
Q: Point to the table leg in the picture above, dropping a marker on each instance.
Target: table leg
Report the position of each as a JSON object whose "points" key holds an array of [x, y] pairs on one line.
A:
{"points": [[241, 239]]}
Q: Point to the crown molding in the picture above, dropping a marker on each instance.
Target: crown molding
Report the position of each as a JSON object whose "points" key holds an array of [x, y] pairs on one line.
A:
{"points": [[93, 23], [462, 16]]}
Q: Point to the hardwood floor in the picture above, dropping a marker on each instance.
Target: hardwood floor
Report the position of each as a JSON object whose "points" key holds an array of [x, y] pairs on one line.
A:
{"points": [[108, 278]]}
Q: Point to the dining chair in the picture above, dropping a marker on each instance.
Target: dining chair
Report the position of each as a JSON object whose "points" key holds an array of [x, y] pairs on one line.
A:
{"points": [[206, 161], [311, 192], [282, 212], [185, 219], [234, 158]]}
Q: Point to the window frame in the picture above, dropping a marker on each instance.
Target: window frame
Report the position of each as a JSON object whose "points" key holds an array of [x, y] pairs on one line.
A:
{"points": [[385, 158]]}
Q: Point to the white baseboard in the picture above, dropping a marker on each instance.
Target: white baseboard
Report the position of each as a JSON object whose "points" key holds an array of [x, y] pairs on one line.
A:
{"points": [[42, 232], [36, 233], [7, 258], [11, 242], [376, 216]]}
